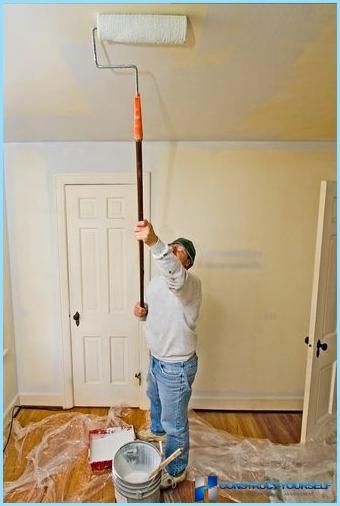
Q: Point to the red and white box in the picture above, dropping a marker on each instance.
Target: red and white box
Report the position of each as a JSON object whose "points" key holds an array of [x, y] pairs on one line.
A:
{"points": [[104, 443]]}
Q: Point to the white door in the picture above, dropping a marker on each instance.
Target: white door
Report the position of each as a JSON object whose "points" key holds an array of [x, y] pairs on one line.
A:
{"points": [[103, 287], [320, 385]]}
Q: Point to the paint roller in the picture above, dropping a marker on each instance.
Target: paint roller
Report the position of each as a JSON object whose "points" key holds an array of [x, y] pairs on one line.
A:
{"points": [[138, 29]]}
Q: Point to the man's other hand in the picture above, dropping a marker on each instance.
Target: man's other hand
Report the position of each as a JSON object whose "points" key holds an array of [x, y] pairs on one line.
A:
{"points": [[139, 311]]}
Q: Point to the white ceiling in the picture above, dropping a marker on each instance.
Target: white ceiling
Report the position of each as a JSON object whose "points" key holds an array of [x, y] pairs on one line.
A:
{"points": [[247, 72]]}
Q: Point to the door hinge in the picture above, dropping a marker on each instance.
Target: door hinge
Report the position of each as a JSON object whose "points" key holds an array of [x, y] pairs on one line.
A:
{"points": [[139, 377]]}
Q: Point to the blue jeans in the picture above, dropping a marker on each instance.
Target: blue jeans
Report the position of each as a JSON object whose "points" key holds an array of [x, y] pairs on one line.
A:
{"points": [[169, 390]]}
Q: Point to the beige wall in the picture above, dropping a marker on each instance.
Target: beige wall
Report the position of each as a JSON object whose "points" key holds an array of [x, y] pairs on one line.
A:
{"points": [[10, 372], [250, 208]]}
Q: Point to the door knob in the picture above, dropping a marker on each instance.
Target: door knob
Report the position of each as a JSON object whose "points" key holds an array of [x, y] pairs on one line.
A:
{"points": [[139, 377], [321, 345], [76, 318]]}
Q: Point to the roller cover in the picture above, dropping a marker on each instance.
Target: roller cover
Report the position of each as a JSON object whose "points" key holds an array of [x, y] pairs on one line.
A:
{"points": [[142, 29]]}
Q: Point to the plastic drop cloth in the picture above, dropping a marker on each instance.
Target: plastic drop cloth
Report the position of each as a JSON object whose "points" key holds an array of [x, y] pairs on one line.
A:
{"points": [[237, 459], [51, 461]]}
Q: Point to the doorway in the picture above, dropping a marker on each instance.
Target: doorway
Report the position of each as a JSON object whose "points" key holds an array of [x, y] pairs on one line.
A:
{"points": [[105, 357]]}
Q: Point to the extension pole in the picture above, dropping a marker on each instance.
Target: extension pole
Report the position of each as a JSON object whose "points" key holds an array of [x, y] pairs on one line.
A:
{"points": [[138, 131]]}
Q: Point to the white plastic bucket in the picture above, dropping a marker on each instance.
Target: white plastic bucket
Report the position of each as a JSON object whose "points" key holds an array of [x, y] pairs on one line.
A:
{"points": [[131, 467]]}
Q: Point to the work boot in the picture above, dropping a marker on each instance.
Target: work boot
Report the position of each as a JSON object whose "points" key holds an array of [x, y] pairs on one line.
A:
{"points": [[147, 435], [167, 480]]}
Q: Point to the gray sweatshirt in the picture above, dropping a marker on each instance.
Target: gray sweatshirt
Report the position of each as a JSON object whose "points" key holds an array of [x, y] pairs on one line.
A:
{"points": [[174, 300]]}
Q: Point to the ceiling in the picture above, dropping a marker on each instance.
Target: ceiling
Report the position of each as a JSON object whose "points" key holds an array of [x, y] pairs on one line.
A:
{"points": [[246, 72]]}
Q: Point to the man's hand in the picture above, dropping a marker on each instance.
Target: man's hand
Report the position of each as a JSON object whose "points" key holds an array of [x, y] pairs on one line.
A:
{"points": [[145, 232], [139, 311]]}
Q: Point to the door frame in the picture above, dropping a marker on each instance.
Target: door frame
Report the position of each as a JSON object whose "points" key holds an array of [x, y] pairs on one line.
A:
{"points": [[61, 181]]}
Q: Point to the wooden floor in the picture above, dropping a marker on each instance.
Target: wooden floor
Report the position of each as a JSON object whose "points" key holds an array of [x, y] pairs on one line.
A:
{"points": [[279, 427]]}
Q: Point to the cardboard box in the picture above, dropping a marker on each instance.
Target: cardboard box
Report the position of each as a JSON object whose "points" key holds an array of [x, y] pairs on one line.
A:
{"points": [[104, 443]]}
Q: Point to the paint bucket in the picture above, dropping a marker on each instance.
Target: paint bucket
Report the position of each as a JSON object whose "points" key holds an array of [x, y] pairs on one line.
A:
{"points": [[132, 465]]}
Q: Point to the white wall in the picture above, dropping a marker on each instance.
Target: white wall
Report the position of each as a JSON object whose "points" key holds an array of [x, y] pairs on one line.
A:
{"points": [[251, 209], [9, 371]]}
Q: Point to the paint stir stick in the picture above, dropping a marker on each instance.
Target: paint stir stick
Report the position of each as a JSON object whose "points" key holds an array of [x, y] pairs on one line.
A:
{"points": [[165, 462]]}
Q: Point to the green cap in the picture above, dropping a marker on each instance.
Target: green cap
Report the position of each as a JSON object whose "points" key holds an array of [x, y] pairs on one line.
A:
{"points": [[188, 245]]}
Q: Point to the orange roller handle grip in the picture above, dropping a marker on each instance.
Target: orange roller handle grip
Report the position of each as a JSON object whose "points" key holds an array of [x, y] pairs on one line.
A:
{"points": [[138, 127]]}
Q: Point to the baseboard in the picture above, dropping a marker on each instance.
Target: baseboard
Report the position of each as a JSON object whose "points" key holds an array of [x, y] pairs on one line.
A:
{"points": [[205, 400], [199, 400], [37, 399], [8, 414]]}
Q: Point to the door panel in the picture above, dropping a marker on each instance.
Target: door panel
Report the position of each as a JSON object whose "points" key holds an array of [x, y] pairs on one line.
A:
{"points": [[320, 385], [103, 283]]}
